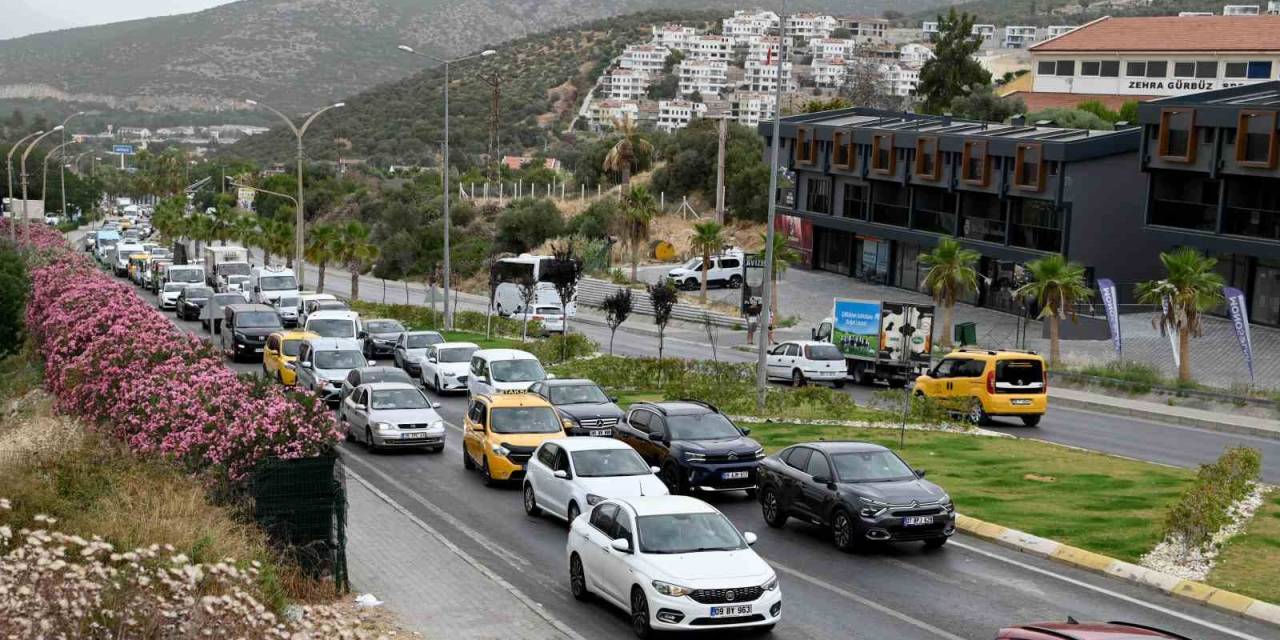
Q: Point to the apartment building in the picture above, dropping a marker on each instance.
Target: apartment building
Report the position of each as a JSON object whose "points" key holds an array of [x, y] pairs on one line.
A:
{"points": [[807, 26], [625, 84], [672, 36], [676, 114], [1241, 10], [1019, 37], [749, 23], [708, 47], [750, 109], [900, 79], [766, 48], [915, 54], [649, 58], [763, 77], [987, 32], [831, 48], [1058, 30], [706, 77], [829, 73], [604, 113], [929, 30], [864, 29]]}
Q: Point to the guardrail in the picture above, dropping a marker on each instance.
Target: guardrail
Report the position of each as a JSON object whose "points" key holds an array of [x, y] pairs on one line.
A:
{"points": [[592, 293]]}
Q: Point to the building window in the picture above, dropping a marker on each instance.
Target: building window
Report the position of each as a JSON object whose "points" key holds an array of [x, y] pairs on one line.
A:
{"points": [[983, 217], [1090, 68], [935, 210], [883, 159], [1066, 68], [1177, 135], [1135, 69], [855, 202], [806, 146], [1198, 69], [1157, 69], [890, 203], [819, 195], [976, 165], [842, 150], [1259, 70], [1184, 200], [1046, 68], [1235, 70], [1103, 68], [928, 164], [1035, 224], [1029, 168], [1256, 140], [1110, 69], [1253, 208]]}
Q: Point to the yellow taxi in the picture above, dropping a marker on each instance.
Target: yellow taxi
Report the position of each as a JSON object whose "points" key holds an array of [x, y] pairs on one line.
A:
{"points": [[502, 430], [986, 383], [280, 349]]}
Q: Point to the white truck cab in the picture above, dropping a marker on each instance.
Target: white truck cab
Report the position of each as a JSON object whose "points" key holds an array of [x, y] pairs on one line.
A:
{"points": [[269, 283]]}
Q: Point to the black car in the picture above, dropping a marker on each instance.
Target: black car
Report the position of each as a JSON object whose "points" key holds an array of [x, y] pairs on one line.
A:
{"points": [[696, 446], [191, 301], [245, 328], [863, 492], [583, 406], [370, 375], [379, 337]]}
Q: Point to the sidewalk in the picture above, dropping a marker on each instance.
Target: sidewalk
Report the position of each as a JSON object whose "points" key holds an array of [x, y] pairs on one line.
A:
{"points": [[435, 588]]}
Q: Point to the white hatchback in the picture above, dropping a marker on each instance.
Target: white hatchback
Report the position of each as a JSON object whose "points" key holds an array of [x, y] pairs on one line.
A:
{"points": [[673, 563], [802, 361], [567, 475]]}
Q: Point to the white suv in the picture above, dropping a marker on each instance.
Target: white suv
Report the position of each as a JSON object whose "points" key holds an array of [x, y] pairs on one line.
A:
{"points": [[567, 475], [495, 371], [674, 563], [725, 271]]}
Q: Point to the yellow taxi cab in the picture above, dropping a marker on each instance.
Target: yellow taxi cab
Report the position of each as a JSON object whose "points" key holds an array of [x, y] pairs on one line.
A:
{"points": [[280, 349], [986, 383], [502, 430]]}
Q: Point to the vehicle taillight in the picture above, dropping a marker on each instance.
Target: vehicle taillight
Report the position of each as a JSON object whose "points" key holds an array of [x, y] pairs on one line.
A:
{"points": [[1045, 377], [991, 382]]}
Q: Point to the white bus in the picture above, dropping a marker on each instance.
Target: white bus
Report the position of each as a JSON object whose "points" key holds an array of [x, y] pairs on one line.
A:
{"points": [[507, 300]]}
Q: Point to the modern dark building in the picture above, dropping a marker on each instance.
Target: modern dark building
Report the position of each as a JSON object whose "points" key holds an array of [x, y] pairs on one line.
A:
{"points": [[873, 190], [1214, 184]]}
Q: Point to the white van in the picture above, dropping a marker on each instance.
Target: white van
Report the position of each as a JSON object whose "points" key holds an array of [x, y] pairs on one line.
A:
{"points": [[270, 282], [503, 371], [334, 324]]}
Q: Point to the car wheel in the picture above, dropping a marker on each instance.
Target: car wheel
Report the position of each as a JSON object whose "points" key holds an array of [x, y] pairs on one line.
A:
{"points": [[771, 508], [735, 281], [640, 614], [467, 462], [691, 284], [935, 543], [531, 508], [842, 533], [671, 476], [897, 384], [573, 512], [578, 579], [435, 383], [978, 415], [486, 473], [838, 384], [797, 378], [368, 436], [1030, 421]]}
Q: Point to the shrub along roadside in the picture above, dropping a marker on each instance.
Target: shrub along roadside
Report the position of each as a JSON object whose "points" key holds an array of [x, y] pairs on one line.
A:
{"points": [[1202, 509], [13, 297]]}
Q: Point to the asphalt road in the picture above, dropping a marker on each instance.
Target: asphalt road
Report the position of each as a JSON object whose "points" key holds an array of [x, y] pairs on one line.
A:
{"points": [[966, 590]]}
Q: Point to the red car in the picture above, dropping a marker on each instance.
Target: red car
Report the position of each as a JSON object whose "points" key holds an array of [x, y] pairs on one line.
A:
{"points": [[1073, 630]]}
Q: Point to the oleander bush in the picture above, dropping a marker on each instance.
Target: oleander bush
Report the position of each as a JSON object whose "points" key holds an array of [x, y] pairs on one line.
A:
{"points": [[1203, 508]]}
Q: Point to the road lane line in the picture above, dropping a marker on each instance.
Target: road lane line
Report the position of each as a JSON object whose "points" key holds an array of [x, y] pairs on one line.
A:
{"points": [[893, 613], [1107, 592], [533, 605]]}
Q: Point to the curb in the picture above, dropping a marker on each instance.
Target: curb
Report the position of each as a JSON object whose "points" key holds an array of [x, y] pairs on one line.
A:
{"points": [[1166, 418], [1172, 585]]}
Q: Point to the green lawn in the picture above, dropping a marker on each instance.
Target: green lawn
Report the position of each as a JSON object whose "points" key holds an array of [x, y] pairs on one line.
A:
{"points": [[1250, 563]]}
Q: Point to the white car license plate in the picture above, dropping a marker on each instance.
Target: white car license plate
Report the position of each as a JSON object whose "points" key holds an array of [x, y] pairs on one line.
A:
{"points": [[916, 521], [258, 350], [601, 432], [734, 475], [1021, 402], [731, 611], [413, 436]]}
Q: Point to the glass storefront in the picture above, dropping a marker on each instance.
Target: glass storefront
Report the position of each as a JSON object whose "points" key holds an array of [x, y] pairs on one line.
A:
{"points": [[1184, 200], [833, 251], [983, 217], [872, 259], [890, 204]]}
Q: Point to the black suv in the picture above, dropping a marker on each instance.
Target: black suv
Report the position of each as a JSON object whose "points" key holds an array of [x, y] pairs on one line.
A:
{"points": [[863, 492], [582, 405], [695, 445]]}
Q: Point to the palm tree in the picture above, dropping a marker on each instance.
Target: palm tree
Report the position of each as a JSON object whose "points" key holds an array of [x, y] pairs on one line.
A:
{"points": [[319, 249], [951, 277], [1057, 285], [200, 229], [622, 157], [354, 250], [783, 256], [638, 210], [708, 237], [1190, 288], [277, 239], [247, 230]]}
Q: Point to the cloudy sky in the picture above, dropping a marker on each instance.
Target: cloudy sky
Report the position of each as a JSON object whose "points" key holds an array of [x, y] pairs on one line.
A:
{"points": [[35, 16]]}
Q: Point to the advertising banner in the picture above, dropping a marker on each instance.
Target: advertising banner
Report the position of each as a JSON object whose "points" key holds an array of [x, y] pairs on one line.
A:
{"points": [[856, 328], [1240, 321], [1172, 331], [906, 332], [1108, 291]]}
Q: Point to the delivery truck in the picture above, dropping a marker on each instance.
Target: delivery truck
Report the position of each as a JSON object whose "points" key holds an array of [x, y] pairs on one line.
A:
{"points": [[881, 341], [220, 262]]}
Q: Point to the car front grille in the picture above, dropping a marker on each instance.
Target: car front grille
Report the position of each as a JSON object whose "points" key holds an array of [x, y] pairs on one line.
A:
{"points": [[414, 426], [924, 511], [721, 596], [715, 622], [519, 455], [598, 423], [737, 456]]}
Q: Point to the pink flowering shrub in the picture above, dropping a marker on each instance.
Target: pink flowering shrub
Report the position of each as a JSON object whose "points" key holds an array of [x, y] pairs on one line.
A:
{"points": [[115, 362]]}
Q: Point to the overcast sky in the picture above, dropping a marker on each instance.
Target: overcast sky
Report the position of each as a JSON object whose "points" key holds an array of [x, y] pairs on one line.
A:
{"points": [[35, 16]]}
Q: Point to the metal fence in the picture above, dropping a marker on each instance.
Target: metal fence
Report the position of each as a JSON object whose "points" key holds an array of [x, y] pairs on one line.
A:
{"points": [[592, 293], [302, 505]]}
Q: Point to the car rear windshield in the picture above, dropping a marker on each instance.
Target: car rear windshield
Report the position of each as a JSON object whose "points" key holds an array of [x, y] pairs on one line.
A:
{"points": [[185, 275], [871, 466], [606, 463], [522, 370], [332, 328], [704, 426], [547, 311], [399, 399], [688, 533], [199, 292], [385, 374], [234, 268], [823, 352], [383, 326], [524, 420], [174, 286], [1019, 376], [257, 319], [424, 340], [339, 359], [458, 354], [577, 394], [276, 283], [291, 347]]}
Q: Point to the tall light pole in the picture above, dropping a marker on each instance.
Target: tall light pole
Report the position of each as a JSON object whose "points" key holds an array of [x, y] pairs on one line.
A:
{"points": [[299, 224], [762, 380], [13, 211], [62, 166], [448, 318], [44, 180], [26, 222]]}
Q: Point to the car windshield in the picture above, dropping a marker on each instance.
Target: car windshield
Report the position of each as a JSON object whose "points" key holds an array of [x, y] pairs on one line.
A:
{"points": [[198, 292], [174, 286], [577, 394], [455, 355], [424, 340], [257, 319], [693, 265], [524, 420], [383, 326], [332, 328], [277, 283], [871, 466], [606, 463], [399, 399], [703, 426], [185, 275], [522, 370], [688, 533], [291, 347], [234, 268], [823, 352], [339, 359]]}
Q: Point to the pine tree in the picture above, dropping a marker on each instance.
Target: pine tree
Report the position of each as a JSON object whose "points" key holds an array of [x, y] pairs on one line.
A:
{"points": [[953, 66]]}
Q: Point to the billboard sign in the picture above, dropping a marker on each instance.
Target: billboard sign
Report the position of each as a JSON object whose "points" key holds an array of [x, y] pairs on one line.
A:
{"points": [[855, 328], [123, 149]]}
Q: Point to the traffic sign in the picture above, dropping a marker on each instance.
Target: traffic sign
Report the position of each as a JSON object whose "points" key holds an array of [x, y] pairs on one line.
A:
{"points": [[123, 149]]}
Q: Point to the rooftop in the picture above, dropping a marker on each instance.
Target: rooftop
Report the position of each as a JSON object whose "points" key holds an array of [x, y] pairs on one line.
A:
{"points": [[1169, 34], [1263, 94], [864, 118]]}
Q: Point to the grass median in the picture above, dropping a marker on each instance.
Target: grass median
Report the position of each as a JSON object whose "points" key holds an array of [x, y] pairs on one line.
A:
{"points": [[1250, 563]]}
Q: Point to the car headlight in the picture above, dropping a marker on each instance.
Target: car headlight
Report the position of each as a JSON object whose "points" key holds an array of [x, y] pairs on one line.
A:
{"points": [[759, 453], [384, 426], [438, 425], [693, 456], [872, 508], [668, 589], [501, 450], [569, 423], [771, 583], [593, 499], [947, 504]]}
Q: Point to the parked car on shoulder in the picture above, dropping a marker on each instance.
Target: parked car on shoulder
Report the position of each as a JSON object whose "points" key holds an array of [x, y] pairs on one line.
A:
{"points": [[986, 383], [392, 414], [1073, 630], [725, 271], [410, 350], [805, 361], [864, 493], [568, 475], [323, 365], [501, 432], [379, 336], [191, 302], [372, 373], [697, 447], [496, 371], [582, 405], [245, 328]]}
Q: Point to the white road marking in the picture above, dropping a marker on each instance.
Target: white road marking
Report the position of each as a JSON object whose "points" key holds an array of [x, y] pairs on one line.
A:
{"points": [[1109, 593]]}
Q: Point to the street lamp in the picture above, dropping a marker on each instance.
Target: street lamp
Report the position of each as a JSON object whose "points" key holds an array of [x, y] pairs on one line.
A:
{"points": [[44, 180], [13, 212], [448, 319], [299, 222], [26, 222], [766, 309], [62, 166]]}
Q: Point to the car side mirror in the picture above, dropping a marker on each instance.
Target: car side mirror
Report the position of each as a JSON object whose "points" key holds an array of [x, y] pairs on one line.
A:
{"points": [[373, 363], [813, 334], [291, 366], [305, 364], [363, 334], [477, 427], [435, 405], [431, 359], [359, 407], [561, 473], [821, 480], [621, 544], [613, 399], [749, 537], [920, 473], [746, 431], [656, 437]]}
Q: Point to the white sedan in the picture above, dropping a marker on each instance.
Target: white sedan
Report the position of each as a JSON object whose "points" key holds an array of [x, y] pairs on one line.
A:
{"points": [[673, 563], [567, 475], [802, 361]]}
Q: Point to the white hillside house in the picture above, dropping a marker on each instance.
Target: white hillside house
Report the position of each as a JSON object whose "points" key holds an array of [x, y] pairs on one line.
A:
{"points": [[831, 48], [749, 23], [708, 47], [625, 84], [761, 77], [915, 54], [676, 114], [807, 26], [673, 36], [750, 109], [706, 77], [830, 73], [649, 58]]}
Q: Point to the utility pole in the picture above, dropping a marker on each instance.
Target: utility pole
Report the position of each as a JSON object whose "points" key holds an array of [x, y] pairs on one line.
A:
{"points": [[494, 80], [13, 209], [724, 134], [26, 222], [762, 379]]}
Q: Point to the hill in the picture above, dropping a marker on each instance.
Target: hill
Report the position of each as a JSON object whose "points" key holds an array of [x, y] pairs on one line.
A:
{"points": [[1040, 12], [293, 54]]}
